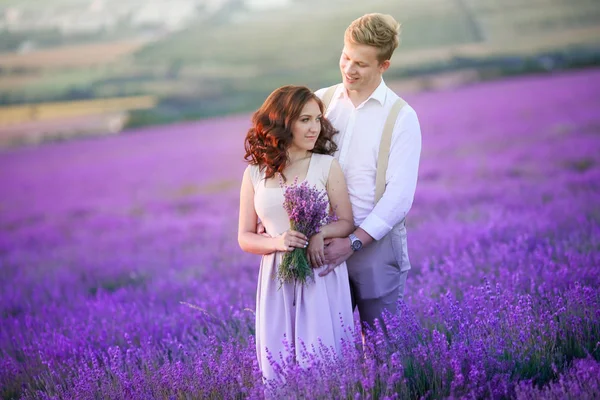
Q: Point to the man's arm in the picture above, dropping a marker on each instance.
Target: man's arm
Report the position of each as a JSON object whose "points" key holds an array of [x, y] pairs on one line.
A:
{"points": [[401, 177], [401, 182]]}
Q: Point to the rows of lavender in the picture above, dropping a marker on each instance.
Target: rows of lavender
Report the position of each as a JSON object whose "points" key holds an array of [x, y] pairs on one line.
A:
{"points": [[120, 275]]}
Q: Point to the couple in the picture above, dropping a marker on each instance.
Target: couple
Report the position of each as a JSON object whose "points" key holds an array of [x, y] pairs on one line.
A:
{"points": [[360, 259]]}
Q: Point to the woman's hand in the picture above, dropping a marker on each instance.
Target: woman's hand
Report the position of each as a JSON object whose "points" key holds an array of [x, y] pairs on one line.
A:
{"points": [[316, 250], [289, 240]]}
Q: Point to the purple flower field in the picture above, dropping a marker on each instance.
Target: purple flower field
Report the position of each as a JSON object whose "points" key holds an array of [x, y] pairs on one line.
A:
{"points": [[121, 277]]}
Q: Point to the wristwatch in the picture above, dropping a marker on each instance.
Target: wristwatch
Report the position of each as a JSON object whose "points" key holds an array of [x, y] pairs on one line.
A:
{"points": [[355, 242]]}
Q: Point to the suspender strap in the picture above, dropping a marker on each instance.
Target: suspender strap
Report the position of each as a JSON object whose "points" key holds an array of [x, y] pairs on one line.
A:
{"points": [[328, 95], [384, 148], [384, 144]]}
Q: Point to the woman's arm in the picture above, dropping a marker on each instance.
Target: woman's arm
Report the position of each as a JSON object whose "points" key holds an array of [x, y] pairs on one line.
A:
{"points": [[252, 242], [340, 203]]}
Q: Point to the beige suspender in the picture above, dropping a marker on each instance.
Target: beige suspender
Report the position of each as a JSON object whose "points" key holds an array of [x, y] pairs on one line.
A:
{"points": [[328, 95], [384, 144], [384, 148]]}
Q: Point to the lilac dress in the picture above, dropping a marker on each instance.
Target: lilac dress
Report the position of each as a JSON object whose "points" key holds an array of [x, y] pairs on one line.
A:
{"points": [[322, 310]]}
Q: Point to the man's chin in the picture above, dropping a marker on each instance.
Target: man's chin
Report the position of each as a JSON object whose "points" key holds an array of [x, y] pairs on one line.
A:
{"points": [[350, 85]]}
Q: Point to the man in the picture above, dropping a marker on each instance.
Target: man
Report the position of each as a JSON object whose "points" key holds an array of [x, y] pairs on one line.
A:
{"points": [[376, 253]]}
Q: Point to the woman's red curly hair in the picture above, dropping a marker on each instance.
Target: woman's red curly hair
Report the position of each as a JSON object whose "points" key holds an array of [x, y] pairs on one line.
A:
{"points": [[270, 136]]}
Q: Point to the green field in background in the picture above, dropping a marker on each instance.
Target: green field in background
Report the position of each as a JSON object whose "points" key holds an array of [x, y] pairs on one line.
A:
{"points": [[223, 65]]}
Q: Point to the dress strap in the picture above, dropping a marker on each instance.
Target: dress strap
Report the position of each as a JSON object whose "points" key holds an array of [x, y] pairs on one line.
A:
{"points": [[256, 175], [318, 169]]}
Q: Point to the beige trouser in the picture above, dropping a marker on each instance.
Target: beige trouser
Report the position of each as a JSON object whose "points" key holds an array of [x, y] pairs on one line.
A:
{"points": [[378, 275]]}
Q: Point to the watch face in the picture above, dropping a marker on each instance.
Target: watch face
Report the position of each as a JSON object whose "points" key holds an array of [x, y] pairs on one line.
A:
{"points": [[356, 245]]}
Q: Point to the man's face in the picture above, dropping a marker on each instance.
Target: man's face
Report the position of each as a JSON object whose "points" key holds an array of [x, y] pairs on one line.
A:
{"points": [[359, 67]]}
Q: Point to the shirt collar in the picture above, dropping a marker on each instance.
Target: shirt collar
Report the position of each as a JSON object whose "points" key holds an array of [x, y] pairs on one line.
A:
{"points": [[378, 94]]}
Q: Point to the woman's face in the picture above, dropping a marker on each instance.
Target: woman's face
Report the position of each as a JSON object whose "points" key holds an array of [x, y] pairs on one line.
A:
{"points": [[306, 129]]}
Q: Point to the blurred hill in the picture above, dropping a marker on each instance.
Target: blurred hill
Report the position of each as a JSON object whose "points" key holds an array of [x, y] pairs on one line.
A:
{"points": [[211, 57]]}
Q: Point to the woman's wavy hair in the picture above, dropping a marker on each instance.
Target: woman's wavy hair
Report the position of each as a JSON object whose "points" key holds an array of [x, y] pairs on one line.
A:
{"points": [[270, 136]]}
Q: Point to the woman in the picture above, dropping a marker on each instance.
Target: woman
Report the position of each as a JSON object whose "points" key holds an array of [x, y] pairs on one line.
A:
{"points": [[290, 139]]}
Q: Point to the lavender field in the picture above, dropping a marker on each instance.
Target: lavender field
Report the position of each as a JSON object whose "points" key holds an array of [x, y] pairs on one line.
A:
{"points": [[121, 277]]}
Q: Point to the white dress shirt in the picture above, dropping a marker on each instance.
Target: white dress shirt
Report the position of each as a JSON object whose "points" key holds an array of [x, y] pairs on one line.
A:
{"points": [[360, 129]]}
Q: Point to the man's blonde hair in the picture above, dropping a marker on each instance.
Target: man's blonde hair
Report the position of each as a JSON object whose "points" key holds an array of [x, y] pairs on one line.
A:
{"points": [[378, 30]]}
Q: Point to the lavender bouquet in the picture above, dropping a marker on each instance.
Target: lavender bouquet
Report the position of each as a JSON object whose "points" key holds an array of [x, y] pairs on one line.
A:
{"points": [[308, 209]]}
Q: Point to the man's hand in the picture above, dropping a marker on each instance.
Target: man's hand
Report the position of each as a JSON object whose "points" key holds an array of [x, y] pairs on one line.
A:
{"points": [[260, 229], [337, 250], [316, 250]]}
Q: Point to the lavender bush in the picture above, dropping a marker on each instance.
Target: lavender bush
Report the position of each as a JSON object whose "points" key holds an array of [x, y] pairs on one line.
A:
{"points": [[120, 275]]}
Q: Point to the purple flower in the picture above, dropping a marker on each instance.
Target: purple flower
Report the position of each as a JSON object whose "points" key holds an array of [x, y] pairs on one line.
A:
{"points": [[308, 210]]}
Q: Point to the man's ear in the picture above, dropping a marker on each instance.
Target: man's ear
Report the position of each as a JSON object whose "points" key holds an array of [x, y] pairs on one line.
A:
{"points": [[384, 66]]}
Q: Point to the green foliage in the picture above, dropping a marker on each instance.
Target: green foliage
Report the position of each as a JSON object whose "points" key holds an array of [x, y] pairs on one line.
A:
{"points": [[10, 41], [294, 267], [231, 63], [264, 40]]}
